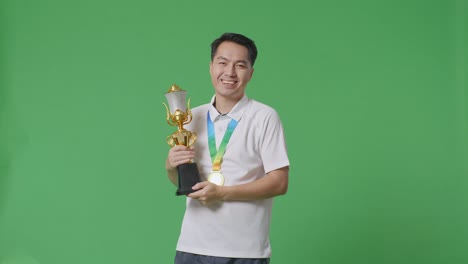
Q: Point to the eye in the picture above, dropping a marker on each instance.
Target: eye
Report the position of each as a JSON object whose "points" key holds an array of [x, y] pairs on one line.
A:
{"points": [[242, 66], [222, 63]]}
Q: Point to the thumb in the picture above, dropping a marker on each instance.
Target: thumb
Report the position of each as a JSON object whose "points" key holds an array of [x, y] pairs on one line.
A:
{"points": [[200, 185]]}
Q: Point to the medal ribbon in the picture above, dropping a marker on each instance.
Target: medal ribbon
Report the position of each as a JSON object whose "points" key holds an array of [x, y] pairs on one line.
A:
{"points": [[217, 155]]}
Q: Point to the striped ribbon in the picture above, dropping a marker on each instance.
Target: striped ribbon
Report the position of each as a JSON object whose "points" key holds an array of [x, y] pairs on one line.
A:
{"points": [[217, 155]]}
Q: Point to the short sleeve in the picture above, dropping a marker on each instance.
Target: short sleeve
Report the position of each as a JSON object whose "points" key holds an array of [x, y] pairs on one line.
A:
{"points": [[273, 147]]}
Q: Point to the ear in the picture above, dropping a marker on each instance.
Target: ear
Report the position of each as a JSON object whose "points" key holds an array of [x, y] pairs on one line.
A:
{"points": [[251, 72]]}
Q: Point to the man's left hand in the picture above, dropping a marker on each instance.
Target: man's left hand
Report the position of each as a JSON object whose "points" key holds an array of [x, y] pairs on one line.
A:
{"points": [[206, 192]]}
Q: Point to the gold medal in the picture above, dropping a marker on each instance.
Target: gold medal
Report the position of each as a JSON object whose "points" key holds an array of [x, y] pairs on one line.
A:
{"points": [[216, 177]]}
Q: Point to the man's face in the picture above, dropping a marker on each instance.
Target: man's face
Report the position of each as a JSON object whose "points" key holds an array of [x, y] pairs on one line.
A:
{"points": [[230, 70]]}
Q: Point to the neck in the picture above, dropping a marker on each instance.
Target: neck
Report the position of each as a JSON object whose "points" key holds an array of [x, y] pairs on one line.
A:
{"points": [[223, 105]]}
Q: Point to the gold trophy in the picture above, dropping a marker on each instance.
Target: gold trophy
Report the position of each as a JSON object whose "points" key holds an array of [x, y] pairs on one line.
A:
{"points": [[177, 114]]}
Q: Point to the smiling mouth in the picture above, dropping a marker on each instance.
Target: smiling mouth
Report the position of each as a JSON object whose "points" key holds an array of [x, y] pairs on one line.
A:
{"points": [[229, 82]]}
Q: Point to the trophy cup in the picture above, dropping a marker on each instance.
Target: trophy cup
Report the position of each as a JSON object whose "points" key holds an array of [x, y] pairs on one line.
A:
{"points": [[178, 115]]}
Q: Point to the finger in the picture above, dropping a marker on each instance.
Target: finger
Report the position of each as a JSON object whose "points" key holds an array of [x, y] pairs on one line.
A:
{"points": [[187, 155], [186, 151], [181, 155], [200, 185], [181, 158], [195, 195], [175, 164], [182, 149], [179, 148], [183, 161]]}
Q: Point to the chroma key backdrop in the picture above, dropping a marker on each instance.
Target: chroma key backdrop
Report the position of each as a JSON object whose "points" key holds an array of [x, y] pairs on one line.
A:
{"points": [[373, 96]]}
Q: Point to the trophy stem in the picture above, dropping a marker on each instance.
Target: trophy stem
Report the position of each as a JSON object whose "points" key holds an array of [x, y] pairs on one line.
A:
{"points": [[180, 126]]}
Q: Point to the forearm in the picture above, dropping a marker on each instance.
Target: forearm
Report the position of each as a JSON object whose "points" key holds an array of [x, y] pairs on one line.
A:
{"points": [[172, 174], [273, 184]]}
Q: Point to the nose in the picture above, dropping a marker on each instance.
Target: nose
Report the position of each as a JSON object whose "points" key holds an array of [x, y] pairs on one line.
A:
{"points": [[230, 71]]}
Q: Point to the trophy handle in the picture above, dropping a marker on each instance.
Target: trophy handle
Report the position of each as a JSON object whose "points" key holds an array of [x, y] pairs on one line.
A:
{"points": [[168, 117], [193, 138], [170, 141], [189, 113]]}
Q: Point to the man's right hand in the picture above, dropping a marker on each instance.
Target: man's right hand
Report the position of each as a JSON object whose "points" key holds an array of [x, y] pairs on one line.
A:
{"points": [[179, 155]]}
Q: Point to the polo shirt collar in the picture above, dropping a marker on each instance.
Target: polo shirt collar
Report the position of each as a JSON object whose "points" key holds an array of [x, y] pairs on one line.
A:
{"points": [[235, 113]]}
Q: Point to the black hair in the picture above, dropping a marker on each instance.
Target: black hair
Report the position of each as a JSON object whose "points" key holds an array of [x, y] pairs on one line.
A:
{"points": [[236, 38]]}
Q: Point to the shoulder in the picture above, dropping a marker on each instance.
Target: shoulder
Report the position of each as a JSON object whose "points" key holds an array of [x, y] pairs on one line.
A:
{"points": [[199, 113], [200, 109], [257, 110]]}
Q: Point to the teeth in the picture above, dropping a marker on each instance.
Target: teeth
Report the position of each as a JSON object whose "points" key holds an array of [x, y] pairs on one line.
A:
{"points": [[229, 82]]}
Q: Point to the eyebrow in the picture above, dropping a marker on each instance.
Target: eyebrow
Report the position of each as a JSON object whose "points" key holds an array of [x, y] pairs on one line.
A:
{"points": [[223, 58]]}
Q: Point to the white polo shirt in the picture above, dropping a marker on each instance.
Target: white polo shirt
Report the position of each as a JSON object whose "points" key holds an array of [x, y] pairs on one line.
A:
{"points": [[235, 229]]}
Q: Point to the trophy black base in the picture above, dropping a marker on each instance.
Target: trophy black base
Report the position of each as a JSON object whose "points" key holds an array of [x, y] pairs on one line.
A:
{"points": [[188, 177]]}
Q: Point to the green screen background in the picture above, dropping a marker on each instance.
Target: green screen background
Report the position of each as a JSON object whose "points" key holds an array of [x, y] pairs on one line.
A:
{"points": [[372, 94]]}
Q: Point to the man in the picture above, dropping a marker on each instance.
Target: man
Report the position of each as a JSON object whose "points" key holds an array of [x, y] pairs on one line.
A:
{"points": [[227, 218]]}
